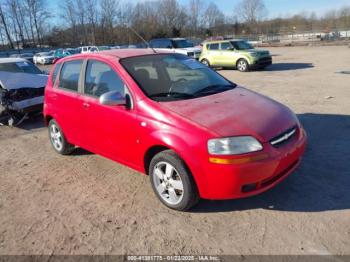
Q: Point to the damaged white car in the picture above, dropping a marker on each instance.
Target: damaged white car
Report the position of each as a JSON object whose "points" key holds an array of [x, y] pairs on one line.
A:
{"points": [[22, 87]]}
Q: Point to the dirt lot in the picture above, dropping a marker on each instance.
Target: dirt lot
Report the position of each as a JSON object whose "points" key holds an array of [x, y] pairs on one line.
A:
{"points": [[85, 204]]}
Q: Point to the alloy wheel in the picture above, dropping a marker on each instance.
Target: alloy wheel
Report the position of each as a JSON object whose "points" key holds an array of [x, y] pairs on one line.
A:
{"points": [[56, 137], [168, 183]]}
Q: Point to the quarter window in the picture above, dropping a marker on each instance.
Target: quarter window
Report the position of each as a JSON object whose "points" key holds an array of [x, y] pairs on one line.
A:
{"points": [[69, 77], [100, 78]]}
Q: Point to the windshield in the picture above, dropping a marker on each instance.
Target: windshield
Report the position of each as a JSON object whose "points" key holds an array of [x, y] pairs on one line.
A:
{"points": [[241, 45], [26, 55], [170, 77], [183, 43], [20, 67]]}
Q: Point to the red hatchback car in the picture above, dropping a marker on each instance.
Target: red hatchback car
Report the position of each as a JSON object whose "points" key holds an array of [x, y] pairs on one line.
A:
{"points": [[195, 133]]}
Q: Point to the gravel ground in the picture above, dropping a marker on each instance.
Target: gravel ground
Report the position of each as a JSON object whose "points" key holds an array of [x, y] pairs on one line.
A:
{"points": [[86, 204]]}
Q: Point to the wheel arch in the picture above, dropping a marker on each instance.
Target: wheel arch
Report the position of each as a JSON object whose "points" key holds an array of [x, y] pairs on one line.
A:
{"points": [[47, 119]]}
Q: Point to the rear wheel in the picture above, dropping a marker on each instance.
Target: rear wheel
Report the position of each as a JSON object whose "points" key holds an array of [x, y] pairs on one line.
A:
{"points": [[242, 65], [172, 182], [58, 140]]}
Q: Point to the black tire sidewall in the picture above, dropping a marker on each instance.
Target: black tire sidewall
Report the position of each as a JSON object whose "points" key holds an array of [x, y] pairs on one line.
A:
{"points": [[190, 197]]}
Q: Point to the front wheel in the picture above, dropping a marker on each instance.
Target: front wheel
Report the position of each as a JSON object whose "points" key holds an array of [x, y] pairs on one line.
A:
{"points": [[172, 182], [242, 65]]}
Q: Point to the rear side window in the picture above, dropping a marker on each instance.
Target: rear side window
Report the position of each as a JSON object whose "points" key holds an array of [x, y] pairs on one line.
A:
{"points": [[100, 78], [55, 73], [213, 46], [69, 77]]}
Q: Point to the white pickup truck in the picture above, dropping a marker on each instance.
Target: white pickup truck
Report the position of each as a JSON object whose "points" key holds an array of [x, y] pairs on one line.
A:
{"points": [[177, 45]]}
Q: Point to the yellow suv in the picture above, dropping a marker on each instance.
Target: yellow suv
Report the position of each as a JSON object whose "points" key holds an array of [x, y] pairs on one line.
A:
{"points": [[234, 53]]}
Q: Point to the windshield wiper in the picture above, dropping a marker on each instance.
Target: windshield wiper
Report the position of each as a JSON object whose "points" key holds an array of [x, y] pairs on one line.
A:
{"points": [[172, 94], [213, 89]]}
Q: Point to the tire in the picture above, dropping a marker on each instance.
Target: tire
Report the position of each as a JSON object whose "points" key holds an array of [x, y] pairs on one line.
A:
{"points": [[242, 65], [58, 140], [205, 62], [172, 182]]}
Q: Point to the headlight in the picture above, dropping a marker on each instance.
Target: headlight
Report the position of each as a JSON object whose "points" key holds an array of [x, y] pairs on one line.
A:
{"points": [[254, 54], [233, 145]]}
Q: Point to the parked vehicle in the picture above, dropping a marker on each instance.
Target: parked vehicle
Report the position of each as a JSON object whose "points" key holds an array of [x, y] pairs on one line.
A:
{"points": [[60, 53], [44, 58], [234, 53], [27, 56], [195, 133], [103, 48], [88, 49], [21, 90], [177, 45]]}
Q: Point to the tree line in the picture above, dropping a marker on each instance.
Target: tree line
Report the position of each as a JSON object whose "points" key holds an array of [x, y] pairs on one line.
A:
{"points": [[29, 23]]}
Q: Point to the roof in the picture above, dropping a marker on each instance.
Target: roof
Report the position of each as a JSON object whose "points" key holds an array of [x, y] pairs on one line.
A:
{"points": [[130, 52], [221, 41], [12, 60]]}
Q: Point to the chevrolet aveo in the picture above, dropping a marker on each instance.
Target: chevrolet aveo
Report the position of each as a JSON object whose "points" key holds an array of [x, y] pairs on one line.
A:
{"points": [[195, 133]]}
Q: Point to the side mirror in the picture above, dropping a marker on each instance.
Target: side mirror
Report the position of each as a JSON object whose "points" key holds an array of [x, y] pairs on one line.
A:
{"points": [[113, 98], [231, 49]]}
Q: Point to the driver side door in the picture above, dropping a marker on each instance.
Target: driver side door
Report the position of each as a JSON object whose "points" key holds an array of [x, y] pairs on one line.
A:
{"points": [[108, 130], [228, 57]]}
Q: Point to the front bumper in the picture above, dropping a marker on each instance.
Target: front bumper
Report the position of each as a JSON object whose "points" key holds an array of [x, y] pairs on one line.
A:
{"points": [[242, 180], [28, 105], [261, 62]]}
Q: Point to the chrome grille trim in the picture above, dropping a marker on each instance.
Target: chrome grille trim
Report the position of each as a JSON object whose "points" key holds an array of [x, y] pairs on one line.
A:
{"points": [[284, 137]]}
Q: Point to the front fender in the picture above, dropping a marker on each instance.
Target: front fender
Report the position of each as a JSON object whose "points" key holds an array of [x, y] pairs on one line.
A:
{"points": [[189, 151]]}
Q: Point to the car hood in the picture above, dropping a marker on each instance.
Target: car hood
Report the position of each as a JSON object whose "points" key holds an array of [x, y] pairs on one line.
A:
{"points": [[11, 81], [261, 52], [190, 49], [236, 112]]}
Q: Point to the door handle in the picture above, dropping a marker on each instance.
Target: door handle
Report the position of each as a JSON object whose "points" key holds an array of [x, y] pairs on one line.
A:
{"points": [[86, 105]]}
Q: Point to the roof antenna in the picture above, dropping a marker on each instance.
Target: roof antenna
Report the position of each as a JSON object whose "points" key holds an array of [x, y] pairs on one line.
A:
{"points": [[139, 36]]}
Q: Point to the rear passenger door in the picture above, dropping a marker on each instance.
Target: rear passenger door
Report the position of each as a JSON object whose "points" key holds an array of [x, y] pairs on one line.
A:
{"points": [[107, 130], [68, 100], [214, 54]]}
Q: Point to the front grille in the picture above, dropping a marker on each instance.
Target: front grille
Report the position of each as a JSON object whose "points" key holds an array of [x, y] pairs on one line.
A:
{"points": [[190, 54], [284, 138]]}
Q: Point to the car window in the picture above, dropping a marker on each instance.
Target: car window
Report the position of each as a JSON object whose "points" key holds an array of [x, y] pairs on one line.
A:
{"points": [[69, 76], [100, 78], [242, 45], [182, 43], [178, 77], [225, 46], [55, 73], [161, 43], [20, 67], [213, 46]]}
